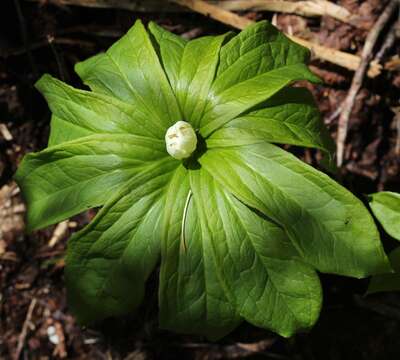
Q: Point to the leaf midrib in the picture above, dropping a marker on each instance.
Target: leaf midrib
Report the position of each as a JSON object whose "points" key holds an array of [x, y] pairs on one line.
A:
{"points": [[332, 234], [256, 34], [123, 130], [250, 240], [138, 96]]}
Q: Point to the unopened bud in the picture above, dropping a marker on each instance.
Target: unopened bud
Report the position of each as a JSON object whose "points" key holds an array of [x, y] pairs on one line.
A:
{"points": [[181, 140]]}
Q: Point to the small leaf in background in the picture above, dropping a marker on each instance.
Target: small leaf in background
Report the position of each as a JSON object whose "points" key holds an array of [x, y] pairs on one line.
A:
{"points": [[385, 205]]}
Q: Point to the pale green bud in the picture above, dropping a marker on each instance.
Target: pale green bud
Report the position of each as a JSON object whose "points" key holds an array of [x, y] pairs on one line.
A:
{"points": [[180, 140]]}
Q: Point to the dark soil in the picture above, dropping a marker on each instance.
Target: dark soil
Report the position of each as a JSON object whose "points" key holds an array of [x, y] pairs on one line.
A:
{"points": [[49, 38]]}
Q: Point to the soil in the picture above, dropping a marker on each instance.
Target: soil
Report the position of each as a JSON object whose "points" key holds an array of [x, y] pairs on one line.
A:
{"points": [[47, 37]]}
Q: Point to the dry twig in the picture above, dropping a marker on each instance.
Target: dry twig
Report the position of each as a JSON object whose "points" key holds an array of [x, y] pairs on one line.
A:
{"points": [[396, 119], [337, 57], [358, 78], [25, 327], [58, 233], [304, 8], [393, 33], [5, 133], [44, 43]]}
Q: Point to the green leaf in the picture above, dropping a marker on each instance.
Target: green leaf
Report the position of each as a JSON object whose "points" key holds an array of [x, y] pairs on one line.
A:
{"points": [[230, 262], [386, 207], [254, 261], [289, 117], [230, 103], [191, 297], [256, 50], [171, 49], [64, 180], [329, 227], [387, 282], [258, 56], [131, 71], [109, 261], [79, 113], [198, 66]]}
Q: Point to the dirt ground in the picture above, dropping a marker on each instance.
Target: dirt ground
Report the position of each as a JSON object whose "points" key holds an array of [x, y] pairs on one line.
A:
{"points": [[44, 36]]}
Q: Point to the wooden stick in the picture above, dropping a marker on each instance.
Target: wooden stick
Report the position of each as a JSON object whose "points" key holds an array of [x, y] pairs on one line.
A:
{"points": [[343, 59], [216, 13], [58, 233], [24, 331], [396, 111], [44, 43], [304, 8], [5, 133], [358, 78], [391, 37]]}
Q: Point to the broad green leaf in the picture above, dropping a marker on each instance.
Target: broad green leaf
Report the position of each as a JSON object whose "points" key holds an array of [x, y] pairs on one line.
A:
{"points": [[62, 131], [253, 66], [255, 261], [289, 117], [256, 50], [171, 48], [329, 227], [78, 113], [386, 207], [64, 180], [198, 66], [109, 261], [387, 282], [131, 71], [242, 96], [192, 299]]}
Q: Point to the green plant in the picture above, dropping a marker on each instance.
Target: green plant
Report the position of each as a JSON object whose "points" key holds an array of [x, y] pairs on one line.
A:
{"points": [[241, 225], [385, 205]]}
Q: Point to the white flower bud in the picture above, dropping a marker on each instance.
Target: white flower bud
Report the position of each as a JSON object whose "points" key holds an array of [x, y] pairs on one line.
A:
{"points": [[181, 140]]}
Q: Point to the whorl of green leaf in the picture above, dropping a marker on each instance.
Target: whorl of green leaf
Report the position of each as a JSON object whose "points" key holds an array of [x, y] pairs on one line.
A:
{"points": [[241, 229]]}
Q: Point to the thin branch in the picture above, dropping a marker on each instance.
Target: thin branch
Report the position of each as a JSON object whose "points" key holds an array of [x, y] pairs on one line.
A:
{"points": [[359, 75], [216, 13], [60, 62], [5, 133], [44, 43], [24, 331], [58, 233], [396, 119], [304, 8], [393, 33]]}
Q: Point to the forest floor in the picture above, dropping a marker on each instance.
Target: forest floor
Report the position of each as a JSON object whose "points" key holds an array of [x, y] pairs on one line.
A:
{"points": [[45, 36]]}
